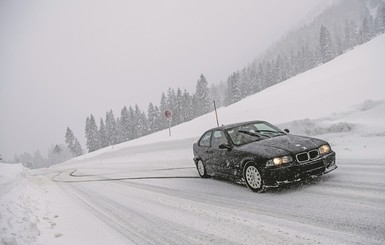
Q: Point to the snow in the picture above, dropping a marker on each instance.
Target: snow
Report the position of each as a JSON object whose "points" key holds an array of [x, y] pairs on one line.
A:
{"points": [[148, 190]]}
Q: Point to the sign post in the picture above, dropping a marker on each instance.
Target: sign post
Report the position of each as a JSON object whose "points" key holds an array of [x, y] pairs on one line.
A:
{"points": [[216, 114], [168, 115]]}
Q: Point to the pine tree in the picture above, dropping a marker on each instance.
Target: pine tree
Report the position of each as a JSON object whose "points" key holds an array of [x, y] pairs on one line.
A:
{"points": [[151, 118], [119, 131], [171, 104], [77, 149], [132, 119], [234, 88], [140, 122], [325, 43], [73, 143], [163, 123], [111, 128], [157, 119], [125, 124], [203, 102], [364, 31], [178, 110], [70, 139], [92, 134], [102, 134], [382, 20], [188, 111]]}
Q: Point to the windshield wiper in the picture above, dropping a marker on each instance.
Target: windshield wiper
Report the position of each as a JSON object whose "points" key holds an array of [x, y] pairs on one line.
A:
{"points": [[271, 131], [253, 134]]}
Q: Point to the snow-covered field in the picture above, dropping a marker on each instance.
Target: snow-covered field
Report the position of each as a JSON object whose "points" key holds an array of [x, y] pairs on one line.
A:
{"points": [[147, 191]]}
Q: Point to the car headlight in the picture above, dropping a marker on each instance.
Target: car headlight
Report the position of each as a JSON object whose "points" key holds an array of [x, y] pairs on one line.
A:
{"points": [[324, 149], [279, 161]]}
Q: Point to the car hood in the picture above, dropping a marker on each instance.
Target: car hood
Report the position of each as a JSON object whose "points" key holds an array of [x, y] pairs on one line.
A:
{"points": [[282, 145]]}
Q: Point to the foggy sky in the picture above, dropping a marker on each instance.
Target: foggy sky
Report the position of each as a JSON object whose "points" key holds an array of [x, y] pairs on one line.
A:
{"points": [[62, 60]]}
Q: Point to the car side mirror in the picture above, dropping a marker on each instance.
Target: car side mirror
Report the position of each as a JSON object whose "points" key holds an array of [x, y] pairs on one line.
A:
{"points": [[225, 146], [286, 130]]}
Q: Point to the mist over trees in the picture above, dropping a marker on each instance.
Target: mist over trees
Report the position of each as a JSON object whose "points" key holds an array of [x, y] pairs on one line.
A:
{"points": [[335, 30]]}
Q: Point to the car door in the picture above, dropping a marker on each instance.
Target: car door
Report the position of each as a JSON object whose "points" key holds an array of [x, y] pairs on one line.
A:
{"points": [[220, 157], [205, 151]]}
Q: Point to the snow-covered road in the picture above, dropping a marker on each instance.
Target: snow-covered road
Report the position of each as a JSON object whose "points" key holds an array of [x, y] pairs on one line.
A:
{"points": [[174, 206]]}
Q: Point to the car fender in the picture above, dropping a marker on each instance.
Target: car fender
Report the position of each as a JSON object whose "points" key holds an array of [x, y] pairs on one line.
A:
{"points": [[246, 160]]}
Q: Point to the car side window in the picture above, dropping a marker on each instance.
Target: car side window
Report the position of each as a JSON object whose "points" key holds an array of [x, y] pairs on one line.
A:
{"points": [[218, 138], [205, 140]]}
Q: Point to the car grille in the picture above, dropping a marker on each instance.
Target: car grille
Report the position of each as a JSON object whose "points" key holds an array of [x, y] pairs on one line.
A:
{"points": [[313, 167], [307, 156]]}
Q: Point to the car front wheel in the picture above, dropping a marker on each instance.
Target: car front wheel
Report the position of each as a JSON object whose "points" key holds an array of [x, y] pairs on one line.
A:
{"points": [[202, 169], [253, 178]]}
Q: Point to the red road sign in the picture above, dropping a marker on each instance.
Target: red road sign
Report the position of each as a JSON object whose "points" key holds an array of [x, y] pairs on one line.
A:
{"points": [[168, 114]]}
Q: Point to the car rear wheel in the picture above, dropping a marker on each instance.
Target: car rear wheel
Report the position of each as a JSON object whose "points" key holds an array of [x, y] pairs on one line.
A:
{"points": [[202, 169], [253, 178]]}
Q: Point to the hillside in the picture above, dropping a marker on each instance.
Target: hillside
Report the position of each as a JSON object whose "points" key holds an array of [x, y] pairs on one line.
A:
{"points": [[340, 86]]}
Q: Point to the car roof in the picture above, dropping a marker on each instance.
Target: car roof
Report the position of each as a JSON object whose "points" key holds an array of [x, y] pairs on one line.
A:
{"points": [[232, 125]]}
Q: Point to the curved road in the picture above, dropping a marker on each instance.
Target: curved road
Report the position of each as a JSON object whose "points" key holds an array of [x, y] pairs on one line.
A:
{"points": [[173, 206]]}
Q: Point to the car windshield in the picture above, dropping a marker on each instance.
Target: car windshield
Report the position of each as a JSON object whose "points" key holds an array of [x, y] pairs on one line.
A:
{"points": [[251, 132]]}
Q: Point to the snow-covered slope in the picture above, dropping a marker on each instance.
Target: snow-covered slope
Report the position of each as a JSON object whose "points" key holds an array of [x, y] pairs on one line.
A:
{"points": [[342, 85]]}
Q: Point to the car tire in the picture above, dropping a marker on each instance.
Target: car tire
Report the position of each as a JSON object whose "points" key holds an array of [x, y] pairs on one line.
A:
{"points": [[253, 178], [201, 167]]}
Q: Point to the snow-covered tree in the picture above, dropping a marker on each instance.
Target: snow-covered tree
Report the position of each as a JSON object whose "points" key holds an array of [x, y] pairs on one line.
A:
{"points": [[163, 107], [326, 45], [125, 124], [73, 143], [152, 118], [102, 134], [202, 96], [111, 128], [69, 138], [92, 134], [234, 88]]}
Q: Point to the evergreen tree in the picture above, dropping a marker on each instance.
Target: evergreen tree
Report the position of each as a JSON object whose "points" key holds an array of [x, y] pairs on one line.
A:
{"points": [[111, 128], [188, 111], [151, 118], [171, 104], [178, 109], [70, 139], [140, 122], [77, 150], [364, 31], [73, 143], [234, 88], [119, 131], [381, 17], [132, 119], [92, 134], [158, 118], [102, 134], [203, 102], [125, 124], [325, 43], [163, 123]]}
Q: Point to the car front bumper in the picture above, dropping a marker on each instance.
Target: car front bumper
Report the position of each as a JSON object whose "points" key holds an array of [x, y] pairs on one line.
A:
{"points": [[297, 172]]}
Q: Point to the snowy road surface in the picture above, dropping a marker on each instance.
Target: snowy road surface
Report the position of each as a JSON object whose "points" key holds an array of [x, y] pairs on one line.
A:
{"points": [[345, 206], [196, 211]]}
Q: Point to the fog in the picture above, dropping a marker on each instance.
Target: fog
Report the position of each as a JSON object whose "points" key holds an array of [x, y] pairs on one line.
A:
{"points": [[62, 60]]}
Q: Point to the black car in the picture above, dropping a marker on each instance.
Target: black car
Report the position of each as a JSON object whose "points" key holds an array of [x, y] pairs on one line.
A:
{"points": [[261, 155]]}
